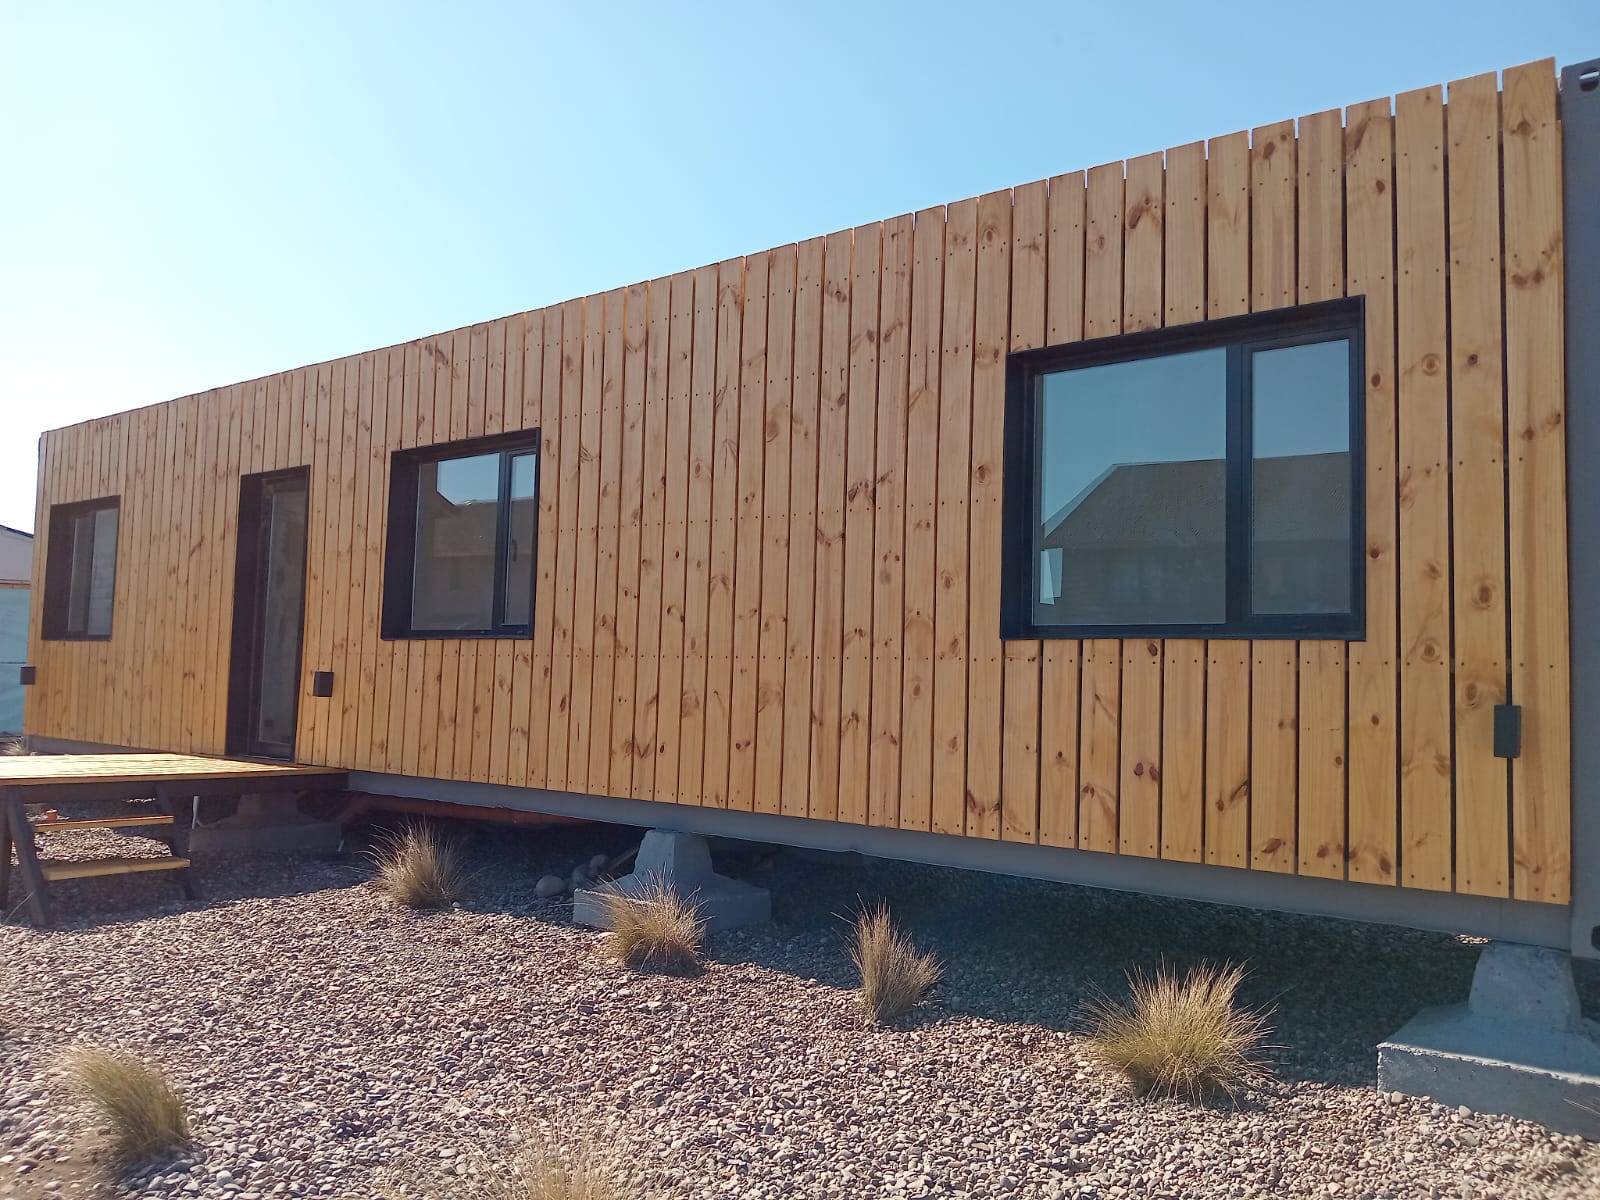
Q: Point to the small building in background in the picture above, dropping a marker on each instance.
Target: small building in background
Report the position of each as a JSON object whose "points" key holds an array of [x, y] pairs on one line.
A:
{"points": [[16, 571]]}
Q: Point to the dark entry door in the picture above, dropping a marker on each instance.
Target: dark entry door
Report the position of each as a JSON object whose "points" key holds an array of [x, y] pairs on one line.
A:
{"points": [[269, 613]]}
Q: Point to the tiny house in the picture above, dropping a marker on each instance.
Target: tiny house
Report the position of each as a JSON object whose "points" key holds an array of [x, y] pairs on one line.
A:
{"points": [[1195, 524]]}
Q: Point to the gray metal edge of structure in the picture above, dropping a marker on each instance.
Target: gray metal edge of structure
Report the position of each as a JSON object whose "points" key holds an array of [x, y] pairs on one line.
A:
{"points": [[1580, 176], [1443, 912], [1449, 912]]}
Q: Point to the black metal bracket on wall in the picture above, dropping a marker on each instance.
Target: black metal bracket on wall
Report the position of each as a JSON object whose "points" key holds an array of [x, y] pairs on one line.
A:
{"points": [[27, 675], [1580, 185], [322, 683]]}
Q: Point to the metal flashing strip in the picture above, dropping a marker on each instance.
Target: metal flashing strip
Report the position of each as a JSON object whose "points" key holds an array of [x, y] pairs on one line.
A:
{"points": [[1580, 185], [1445, 912]]}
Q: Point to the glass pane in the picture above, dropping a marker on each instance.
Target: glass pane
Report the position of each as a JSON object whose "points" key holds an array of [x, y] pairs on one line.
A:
{"points": [[102, 572], [458, 503], [81, 560], [1301, 479], [1131, 524], [519, 548], [278, 671]]}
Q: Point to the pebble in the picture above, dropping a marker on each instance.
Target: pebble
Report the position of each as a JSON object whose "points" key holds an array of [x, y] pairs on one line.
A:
{"points": [[329, 1047]]}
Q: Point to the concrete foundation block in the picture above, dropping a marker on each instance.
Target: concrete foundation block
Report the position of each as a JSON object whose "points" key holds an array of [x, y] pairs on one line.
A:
{"points": [[1519, 1046], [267, 825], [683, 862]]}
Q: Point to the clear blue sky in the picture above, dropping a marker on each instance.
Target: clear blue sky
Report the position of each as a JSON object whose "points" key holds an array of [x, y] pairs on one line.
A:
{"points": [[201, 193]]}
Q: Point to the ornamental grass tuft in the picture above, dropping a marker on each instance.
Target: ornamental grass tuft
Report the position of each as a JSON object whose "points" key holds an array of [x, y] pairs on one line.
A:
{"points": [[895, 975], [1183, 1036]]}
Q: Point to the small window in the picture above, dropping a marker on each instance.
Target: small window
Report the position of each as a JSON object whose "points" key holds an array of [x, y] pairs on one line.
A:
{"points": [[463, 521], [1199, 481], [81, 570]]}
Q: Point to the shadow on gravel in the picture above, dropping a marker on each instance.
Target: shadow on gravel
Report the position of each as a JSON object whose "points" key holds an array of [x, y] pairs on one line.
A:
{"points": [[1015, 951]]}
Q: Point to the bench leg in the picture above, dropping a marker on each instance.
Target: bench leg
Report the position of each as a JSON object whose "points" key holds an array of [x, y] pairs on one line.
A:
{"points": [[38, 896], [5, 861]]}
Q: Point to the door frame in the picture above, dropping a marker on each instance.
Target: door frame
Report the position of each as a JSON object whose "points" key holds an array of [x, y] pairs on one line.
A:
{"points": [[247, 610]]}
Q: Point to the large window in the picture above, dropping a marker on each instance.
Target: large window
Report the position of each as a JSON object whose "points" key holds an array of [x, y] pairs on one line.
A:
{"points": [[1196, 481], [81, 570], [463, 520]]}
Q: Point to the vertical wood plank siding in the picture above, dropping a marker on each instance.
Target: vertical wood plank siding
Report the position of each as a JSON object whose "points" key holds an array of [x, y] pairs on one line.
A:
{"points": [[769, 525]]}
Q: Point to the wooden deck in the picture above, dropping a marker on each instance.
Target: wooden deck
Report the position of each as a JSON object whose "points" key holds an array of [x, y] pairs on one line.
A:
{"points": [[185, 774]]}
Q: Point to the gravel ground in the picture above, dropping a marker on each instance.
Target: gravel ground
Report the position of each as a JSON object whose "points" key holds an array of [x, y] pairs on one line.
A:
{"points": [[332, 1045]]}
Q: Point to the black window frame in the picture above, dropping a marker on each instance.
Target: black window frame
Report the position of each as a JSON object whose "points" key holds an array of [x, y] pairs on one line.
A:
{"points": [[399, 572], [57, 601], [1240, 336]]}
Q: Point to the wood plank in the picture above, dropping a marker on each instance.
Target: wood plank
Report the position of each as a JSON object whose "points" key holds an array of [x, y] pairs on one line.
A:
{"points": [[586, 537], [552, 458], [524, 363], [607, 535], [630, 538], [855, 692], [1019, 729], [100, 867], [344, 456], [1426, 853], [225, 534], [1183, 670], [33, 712], [1321, 837], [1227, 787], [357, 683], [561, 669], [1373, 704], [833, 414], [687, 303], [374, 729], [1139, 754], [451, 717], [417, 422], [475, 671], [652, 565], [720, 608], [1478, 476], [319, 414], [1100, 703], [1058, 670], [799, 616], [1274, 685], [889, 522], [180, 673], [66, 823], [949, 770], [433, 420], [503, 412], [777, 433], [921, 519], [985, 672], [745, 649], [691, 739], [1541, 804]]}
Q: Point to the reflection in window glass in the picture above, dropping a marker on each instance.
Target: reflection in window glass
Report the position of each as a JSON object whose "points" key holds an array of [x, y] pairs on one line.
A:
{"points": [[90, 549], [1301, 479], [524, 519], [458, 504], [1131, 504]]}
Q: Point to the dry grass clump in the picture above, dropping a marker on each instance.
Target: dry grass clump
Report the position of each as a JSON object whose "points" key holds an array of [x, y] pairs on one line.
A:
{"points": [[140, 1108], [1182, 1036], [539, 1177], [532, 1175], [654, 928], [895, 975], [420, 867]]}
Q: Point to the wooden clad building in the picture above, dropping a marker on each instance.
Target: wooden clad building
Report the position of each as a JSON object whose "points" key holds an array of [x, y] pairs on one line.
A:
{"points": [[770, 515]]}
